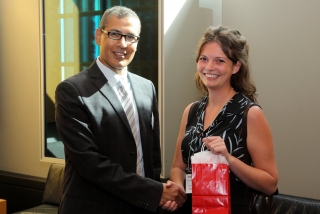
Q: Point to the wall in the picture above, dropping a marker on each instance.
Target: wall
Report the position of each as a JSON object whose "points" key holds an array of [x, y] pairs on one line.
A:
{"points": [[284, 57], [284, 41], [20, 109], [178, 87]]}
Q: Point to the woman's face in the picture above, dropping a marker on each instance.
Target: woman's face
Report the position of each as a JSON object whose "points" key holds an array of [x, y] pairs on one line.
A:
{"points": [[214, 67]]}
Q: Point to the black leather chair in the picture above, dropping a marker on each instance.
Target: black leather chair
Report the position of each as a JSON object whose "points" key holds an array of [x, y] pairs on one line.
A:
{"points": [[52, 192], [289, 204]]}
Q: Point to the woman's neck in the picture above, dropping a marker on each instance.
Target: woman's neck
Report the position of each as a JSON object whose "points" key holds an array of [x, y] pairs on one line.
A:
{"points": [[215, 103], [220, 98]]}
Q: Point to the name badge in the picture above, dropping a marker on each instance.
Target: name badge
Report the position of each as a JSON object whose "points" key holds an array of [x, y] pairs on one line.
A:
{"points": [[188, 183]]}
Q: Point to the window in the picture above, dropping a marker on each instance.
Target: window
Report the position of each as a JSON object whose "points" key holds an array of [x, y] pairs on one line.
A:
{"points": [[69, 47]]}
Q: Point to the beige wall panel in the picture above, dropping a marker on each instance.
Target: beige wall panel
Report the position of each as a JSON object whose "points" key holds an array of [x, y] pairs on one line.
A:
{"points": [[284, 52], [20, 88], [179, 67]]}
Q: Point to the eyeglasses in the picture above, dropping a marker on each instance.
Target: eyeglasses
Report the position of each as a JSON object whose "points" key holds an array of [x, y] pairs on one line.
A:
{"points": [[117, 36]]}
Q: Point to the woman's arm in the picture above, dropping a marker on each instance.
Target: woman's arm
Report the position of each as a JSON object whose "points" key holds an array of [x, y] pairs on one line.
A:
{"points": [[261, 150], [177, 173], [263, 176]]}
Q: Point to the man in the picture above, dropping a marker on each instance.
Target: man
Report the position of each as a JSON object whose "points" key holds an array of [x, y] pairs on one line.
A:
{"points": [[112, 165]]}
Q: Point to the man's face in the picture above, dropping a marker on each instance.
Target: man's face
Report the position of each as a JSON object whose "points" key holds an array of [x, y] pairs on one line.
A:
{"points": [[117, 54]]}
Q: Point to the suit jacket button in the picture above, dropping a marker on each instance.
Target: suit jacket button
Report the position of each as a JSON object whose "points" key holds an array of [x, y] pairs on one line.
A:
{"points": [[133, 154]]}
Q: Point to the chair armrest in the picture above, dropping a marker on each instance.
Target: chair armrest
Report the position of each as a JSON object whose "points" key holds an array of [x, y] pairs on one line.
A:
{"points": [[54, 184], [3, 206]]}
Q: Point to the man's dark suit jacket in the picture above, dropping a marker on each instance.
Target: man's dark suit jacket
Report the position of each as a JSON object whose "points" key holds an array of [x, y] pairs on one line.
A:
{"points": [[100, 151]]}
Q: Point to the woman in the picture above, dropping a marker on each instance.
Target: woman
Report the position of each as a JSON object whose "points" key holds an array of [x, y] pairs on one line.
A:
{"points": [[223, 76]]}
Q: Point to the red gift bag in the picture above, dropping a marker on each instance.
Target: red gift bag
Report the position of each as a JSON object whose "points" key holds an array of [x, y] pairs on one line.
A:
{"points": [[210, 188]]}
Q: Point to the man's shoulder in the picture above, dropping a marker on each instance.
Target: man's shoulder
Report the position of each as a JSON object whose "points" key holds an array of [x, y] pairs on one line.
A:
{"points": [[140, 79], [133, 75], [88, 74], [77, 78]]}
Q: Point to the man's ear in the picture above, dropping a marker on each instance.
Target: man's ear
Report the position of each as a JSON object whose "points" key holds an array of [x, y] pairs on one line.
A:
{"points": [[236, 67], [98, 36]]}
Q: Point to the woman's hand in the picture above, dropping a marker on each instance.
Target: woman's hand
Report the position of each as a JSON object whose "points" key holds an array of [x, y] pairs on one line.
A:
{"points": [[216, 145]]}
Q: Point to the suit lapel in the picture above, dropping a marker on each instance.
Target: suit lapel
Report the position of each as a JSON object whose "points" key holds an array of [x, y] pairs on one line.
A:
{"points": [[141, 104], [101, 82]]}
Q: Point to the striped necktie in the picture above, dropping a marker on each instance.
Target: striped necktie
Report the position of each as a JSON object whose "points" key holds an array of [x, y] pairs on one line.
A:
{"points": [[126, 102]]}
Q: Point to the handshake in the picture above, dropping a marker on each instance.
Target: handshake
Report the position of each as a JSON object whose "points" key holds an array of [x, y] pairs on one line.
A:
{"points": [[173, 196]]}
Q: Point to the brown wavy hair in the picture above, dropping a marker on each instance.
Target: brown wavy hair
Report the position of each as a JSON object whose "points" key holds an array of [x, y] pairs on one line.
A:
{"points": [[236, 48]]}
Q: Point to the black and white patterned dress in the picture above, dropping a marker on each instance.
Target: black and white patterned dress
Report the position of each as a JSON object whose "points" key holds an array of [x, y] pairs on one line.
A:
{"points": [[227, 125]]}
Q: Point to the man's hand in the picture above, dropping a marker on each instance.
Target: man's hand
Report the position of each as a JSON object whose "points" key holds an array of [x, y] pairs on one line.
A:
{"points": [[173, 196]]}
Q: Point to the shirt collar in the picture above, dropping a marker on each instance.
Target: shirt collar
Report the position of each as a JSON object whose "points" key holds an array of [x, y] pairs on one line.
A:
{"points": [[112, 76], [232, 106], [237, 100]]}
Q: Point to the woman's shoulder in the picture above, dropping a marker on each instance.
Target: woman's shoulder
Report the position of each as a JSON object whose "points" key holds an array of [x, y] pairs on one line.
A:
{"points": [[244, 101], [193, 106], [191, 110]]}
